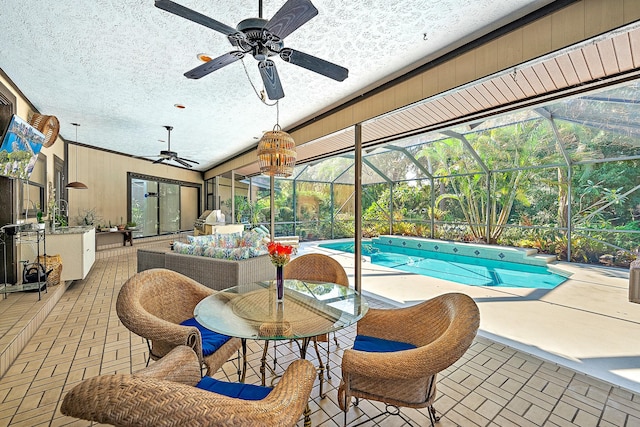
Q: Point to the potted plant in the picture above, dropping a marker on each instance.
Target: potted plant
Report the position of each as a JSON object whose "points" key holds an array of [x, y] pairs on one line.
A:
{"points": [[131, 225], [61, 220], [40, 220], [121, 225], [88, 217]]}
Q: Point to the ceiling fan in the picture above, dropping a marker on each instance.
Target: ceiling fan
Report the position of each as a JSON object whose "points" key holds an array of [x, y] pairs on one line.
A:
{"points": [[169, 155], [262, 39]]}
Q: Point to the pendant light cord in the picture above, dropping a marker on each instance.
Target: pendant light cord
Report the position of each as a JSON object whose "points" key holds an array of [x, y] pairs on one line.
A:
{"points": [[77, 151], [76, 184], [76, 125]]}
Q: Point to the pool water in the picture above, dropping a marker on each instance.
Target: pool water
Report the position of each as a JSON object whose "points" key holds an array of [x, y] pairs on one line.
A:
{"points": [[457, 268]]}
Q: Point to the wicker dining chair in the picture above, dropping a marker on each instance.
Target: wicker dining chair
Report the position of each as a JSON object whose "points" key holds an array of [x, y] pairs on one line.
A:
{"points": [[171, 392], [320, 268], [398, 353], [158, 305]]}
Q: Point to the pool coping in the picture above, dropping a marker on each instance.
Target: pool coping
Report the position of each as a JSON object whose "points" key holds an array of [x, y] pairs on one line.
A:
{"points": [[529, 256]]}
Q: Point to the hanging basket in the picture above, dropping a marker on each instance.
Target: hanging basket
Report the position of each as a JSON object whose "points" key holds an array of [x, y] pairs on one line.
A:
{"points": [[54, 267]]}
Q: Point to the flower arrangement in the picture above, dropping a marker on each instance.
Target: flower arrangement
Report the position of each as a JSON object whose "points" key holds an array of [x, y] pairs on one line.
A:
{"points": [[280, 254]]}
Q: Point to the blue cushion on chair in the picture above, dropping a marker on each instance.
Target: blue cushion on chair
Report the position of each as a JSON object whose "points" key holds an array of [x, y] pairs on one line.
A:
{"points": [[237, 390], [211, 341], [379, 345]]}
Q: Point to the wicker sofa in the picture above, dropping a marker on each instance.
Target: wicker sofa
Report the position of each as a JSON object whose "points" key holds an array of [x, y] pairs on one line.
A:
{"points": [[214, 273]]}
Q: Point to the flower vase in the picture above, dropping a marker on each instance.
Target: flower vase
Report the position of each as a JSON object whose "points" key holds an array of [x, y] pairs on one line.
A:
{"points": [[280, 282]]}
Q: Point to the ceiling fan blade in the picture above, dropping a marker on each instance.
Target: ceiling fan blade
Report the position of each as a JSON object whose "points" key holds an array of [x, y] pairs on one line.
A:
{"points": [[214, 64], [160, 160], [271, 79], [312, 63], [188, 160], [292, 15], [182, 162], [194, 16]]}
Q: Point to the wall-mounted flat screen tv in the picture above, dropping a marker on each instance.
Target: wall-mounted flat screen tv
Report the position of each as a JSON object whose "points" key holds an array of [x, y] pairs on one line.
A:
{"points": [[20, 147]]}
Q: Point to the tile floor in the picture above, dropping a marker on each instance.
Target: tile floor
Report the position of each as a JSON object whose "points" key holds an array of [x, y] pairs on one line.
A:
{"points": [[493, 385]]}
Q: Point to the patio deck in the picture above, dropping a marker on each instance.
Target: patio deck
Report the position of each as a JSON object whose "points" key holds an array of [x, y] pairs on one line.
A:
{"points": [[587, 323], [499, 382]]}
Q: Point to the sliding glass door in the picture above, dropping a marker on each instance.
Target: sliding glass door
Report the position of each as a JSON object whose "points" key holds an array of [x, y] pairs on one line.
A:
{"points": [[159, 206], [169, 208], [144, 207]]}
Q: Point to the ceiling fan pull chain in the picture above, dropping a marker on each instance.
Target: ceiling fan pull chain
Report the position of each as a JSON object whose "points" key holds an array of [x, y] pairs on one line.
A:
{"points": [[253, 86]]}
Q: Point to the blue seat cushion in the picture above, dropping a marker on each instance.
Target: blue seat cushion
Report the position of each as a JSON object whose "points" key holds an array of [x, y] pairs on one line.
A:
{"points": [[379, 345], [237, 390], [211, 341]]}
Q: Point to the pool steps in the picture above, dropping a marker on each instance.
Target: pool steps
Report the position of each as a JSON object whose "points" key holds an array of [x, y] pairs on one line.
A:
{"points": [[500, 253]]}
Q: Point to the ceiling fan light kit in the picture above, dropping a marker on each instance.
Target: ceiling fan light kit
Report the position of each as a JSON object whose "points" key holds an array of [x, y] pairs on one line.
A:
{"points": [[262, 39]]}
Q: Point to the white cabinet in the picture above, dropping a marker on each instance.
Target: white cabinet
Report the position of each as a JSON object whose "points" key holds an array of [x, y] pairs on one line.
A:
{"points": [[77, 249]]}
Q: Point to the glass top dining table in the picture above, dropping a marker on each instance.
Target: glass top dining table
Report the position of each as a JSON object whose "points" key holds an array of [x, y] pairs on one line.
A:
{"points": [[308, 309], [251, 311]]}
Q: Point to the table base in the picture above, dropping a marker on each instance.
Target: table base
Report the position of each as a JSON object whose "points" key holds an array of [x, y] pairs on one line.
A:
{"points": [[303, 355]]}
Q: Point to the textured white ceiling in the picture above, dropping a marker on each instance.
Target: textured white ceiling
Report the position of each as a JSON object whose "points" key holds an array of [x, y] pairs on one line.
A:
{"points": [[116, 66]]}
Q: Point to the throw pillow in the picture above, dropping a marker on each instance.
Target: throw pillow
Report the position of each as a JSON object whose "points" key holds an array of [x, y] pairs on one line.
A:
{"points": [[187, 249]]}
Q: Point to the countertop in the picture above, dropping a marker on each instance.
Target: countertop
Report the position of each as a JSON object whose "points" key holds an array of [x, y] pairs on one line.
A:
{"points": [[31, 228], [78, 229]]}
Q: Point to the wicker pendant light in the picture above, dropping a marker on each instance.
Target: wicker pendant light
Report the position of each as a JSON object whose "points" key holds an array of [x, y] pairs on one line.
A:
{"points": [[277, 152], [76, 184], [48, 125]]}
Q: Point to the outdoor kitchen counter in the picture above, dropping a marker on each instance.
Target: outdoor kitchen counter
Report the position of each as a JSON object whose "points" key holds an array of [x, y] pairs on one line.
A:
{"points": [[76, 246]]}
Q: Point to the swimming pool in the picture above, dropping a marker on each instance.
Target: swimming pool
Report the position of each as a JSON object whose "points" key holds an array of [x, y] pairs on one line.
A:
{"points": [[456, 268]]}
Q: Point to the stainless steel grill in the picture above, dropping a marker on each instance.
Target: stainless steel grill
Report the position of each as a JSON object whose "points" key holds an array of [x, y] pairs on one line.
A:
{"points": [[209, 217]]}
